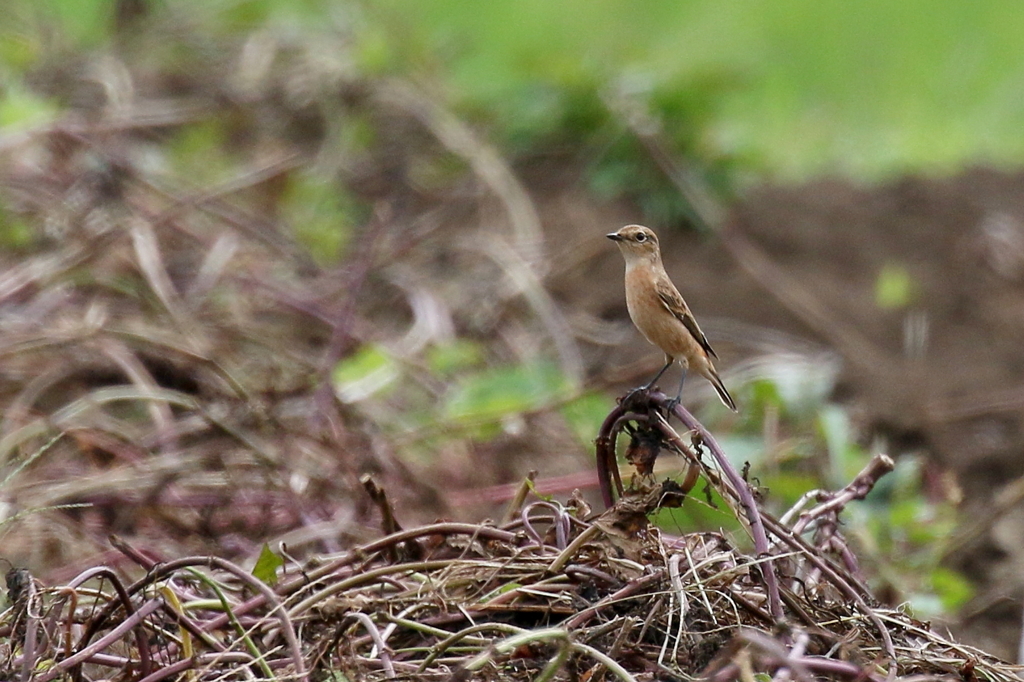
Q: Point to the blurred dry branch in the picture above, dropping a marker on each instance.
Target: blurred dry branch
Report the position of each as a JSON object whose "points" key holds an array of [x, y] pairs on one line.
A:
{"points": [[168, 307], [178, 341]]}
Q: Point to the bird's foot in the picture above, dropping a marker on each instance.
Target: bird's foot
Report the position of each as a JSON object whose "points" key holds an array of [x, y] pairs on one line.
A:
{"points": [[634, 395]]}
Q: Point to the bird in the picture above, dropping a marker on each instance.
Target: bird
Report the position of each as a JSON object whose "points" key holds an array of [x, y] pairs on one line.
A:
{"points": [[660, 313]]}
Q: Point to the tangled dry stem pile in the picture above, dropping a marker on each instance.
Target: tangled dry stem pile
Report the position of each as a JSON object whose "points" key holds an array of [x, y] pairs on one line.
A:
{"points": [[178, 336], [553, 592]]}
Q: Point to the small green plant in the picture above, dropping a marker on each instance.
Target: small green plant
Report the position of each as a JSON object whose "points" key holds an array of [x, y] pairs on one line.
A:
{"points": [[460, 395], [898, 531]]}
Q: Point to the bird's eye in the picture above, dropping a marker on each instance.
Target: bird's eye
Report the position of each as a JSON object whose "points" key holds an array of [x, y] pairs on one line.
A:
{"points": [[641, 237]]}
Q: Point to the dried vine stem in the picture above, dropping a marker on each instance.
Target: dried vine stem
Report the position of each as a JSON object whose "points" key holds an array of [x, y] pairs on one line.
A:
{"points": [[463, 608], [857, 489], [647, 405]]}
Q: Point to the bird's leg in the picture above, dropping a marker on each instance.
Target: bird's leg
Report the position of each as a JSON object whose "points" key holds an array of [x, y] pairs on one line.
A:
{"points": [[668, 363], [643, 389], [679, 394]]}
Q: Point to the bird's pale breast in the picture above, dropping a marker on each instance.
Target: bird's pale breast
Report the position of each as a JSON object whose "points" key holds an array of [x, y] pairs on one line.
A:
{"points": [[655, 322]]}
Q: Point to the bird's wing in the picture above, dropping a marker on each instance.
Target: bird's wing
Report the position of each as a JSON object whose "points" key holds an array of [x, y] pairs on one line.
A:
{"points": [[675, 304]]}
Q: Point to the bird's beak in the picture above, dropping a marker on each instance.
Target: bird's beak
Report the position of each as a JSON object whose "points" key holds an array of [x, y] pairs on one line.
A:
{"points": [[614, 236]]}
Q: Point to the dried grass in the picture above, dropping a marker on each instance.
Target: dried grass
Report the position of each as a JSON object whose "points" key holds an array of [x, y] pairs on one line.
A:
{"points": [[548, 595]]}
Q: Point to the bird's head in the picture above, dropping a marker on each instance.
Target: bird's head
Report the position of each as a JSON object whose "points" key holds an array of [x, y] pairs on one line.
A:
{"points": [[637, 243]]}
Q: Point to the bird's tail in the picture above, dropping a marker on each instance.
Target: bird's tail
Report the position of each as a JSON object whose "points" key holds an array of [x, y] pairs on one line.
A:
{"points": [[720, 389]]}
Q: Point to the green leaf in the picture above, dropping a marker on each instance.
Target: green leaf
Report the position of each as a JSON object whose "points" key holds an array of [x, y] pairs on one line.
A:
{"points": [[267, 564], [87, 22], [846, 458], [505, 391], [894, 287], [453, 357], [952, 588], [21, 109], [18, 50], [14, 233], [322, 214], [533, 489], [585, 415], [741, 449], [364, 373], [786, 488], [500, 590], [797, 385], [765, 392], [696, 514], [198, 153]]}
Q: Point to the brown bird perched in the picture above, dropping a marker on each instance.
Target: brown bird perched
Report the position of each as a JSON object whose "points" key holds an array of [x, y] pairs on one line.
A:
{"points": [[661, 314]]}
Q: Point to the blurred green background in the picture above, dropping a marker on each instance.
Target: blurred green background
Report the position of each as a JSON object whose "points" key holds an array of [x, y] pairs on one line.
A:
{"points": [[783, 90], [792, 88]]}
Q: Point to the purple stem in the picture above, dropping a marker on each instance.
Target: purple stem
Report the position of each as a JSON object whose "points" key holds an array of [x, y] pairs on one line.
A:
{"points": [[106, 573], [101, 643], [740, 489]]}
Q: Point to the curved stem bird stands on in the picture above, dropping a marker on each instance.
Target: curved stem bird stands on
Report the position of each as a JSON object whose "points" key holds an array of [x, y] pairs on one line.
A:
{"points": [[642, 414]]}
